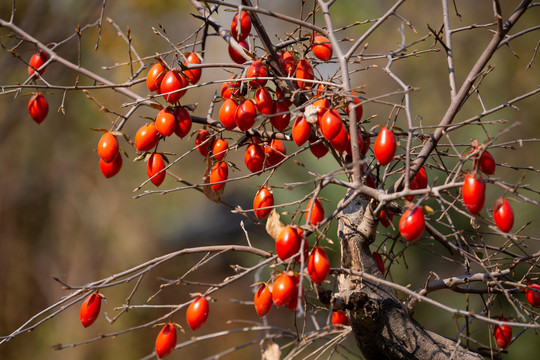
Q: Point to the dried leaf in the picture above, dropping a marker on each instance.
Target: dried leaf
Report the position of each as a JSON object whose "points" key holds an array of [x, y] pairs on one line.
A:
{"points": [[208, 191], [270, 350], [310, 114], [429, 210], [273, 224]]}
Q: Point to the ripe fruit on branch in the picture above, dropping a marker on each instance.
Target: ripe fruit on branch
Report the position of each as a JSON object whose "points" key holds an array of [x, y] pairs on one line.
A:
{"points": [[230, 88], [197, 313], [38, 107], [341, 141], [473, 193], [304, 71], [245, 26], [263, 300], [282, 117], [284, 290], [193, 75], [254, 157], [385, 146], [90, 309], [421, 178], [533, 294], [321, 47], [318, 265], [166, 340], [165, 122], [36, 61], [503, 215], [112, 168], [146, 137], [107, 147], [264, 198], [203, 141], [339, 319], [487, 163], [235, 56], [154, 169], [331, 124], [245, 115], [288, 242], [359, 108], [183, 122], [154, 77], [319, 149], [227, 114], [361, 143], [317, 212], [220, 149], [412, 223], [257, 69], [275, 152], [503, 335], [385, 218], [220, 172], [171, 85], [263, 101], [287, 62], [301, 131]]}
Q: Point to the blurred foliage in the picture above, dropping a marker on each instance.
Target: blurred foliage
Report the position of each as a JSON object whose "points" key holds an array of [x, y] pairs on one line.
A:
{"points": [[60, 217]]}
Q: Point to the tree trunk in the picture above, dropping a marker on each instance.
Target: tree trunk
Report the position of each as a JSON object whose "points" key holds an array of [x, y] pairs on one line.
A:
{"points": [[380, 322]]}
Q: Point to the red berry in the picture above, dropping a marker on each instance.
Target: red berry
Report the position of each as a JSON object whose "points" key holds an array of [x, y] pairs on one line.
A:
{"points": [[284, 290], [220, 172], [146, 137], [245, 115], [263, 300], [183, 122], [165, 122], [275, 152], [166, 340], [254, 157], [263, 198], [487, 163], [412, 224], [361, 143], [112, 168], [319, 149], [245, 26], [257, 69], [220, 149], [235, 56], [473, 193], [263, 101], [288, 242], [331, 124], [36, 61], [421, 178], [287, 62], [227, 114], [318, 265], [321, 47], [230, 88], [38, 107], [107, 147], [339, 319], [193, 75], [503, 215], [171, 85], [304, 71], [385, 218], [203, 141], [90, 309], [359, 109], [197, 313], [301, 131], [154, 169], [317, 213], [385, 146], [341, 141], [503, 335], [154, 77], [533, 294], [282, 116]]}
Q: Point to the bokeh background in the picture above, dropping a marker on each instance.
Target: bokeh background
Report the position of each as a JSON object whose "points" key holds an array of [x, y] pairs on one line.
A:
{"points": [[59, 217]]}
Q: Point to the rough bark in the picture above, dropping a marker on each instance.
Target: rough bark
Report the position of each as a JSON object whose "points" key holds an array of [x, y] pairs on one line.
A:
{"points": [[380, 322]]}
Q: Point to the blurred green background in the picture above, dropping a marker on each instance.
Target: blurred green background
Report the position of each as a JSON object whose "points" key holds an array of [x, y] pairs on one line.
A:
{"points": [[60, 217]]}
